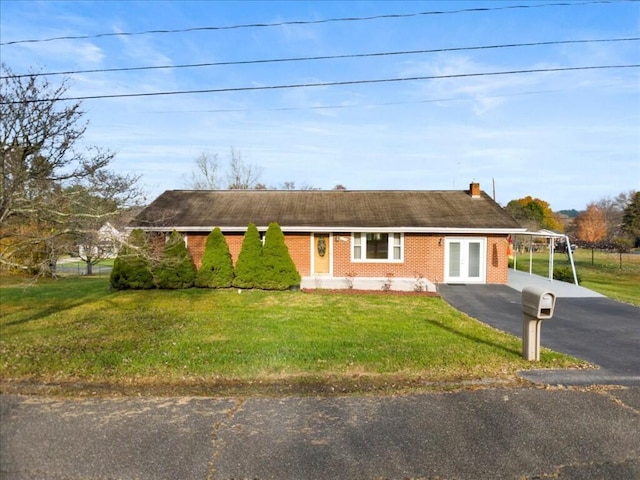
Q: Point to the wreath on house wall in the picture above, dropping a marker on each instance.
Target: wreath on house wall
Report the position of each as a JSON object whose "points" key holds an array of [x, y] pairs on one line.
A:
{"points": [[322, 246]]}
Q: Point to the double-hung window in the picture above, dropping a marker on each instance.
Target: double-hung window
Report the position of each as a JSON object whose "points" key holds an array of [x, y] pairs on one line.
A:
{"points": [[377, 247]]}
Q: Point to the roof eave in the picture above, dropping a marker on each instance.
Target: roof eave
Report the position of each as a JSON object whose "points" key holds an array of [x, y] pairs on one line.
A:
{"points": [[308, 229]]}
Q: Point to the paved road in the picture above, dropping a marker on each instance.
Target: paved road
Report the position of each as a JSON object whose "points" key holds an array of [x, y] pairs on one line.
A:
{"points": [[565, 434], [594, 328]]}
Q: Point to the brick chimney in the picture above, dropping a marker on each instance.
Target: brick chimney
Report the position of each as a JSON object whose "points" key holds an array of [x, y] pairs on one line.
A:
{"points": [[474, 190]]}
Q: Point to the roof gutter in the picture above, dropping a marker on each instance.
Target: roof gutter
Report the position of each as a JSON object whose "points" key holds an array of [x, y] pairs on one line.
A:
{"points": [[308, 229]]}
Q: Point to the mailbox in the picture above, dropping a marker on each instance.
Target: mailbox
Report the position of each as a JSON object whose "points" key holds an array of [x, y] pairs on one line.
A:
{"points": [[538, 302]]}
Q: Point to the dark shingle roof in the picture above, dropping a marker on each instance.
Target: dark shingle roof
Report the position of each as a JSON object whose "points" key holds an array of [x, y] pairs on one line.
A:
{"points": [[235, 209]]}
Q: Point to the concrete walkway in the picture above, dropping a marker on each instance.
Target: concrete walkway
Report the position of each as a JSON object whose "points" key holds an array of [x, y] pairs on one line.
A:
{"points": [[586, 325], [518, 280]]}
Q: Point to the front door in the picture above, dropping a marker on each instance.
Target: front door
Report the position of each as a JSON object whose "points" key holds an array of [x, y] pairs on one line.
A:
{"points": [[465, 260], [321, 254]]}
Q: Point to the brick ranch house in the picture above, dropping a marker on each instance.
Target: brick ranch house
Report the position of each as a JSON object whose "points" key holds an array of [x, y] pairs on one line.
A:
{"points": [[402, 240]]}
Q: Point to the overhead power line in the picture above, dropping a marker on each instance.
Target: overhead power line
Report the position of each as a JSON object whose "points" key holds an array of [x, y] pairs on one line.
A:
{"points": [[321, 84], [310, 22], [334, 107], [325, 57]]}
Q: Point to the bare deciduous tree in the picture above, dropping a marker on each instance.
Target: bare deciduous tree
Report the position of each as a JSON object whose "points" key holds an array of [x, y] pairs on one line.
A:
{"points": [[206, 175], [631, 218], [241, 175], [613, 211], [42, 168]]}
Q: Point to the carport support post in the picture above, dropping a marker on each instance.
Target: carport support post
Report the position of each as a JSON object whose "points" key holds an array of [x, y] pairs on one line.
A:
{"points": [[531, 338]]}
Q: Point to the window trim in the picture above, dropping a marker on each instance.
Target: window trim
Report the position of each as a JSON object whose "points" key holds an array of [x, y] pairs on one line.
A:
{"points": [[362, 236]]}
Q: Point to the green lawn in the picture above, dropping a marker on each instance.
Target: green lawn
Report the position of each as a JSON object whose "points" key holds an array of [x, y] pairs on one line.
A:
{"points": [[75, 333], [604, 275]]}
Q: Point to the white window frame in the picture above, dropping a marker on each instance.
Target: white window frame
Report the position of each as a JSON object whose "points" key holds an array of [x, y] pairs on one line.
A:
{"points": [[359, 239]]}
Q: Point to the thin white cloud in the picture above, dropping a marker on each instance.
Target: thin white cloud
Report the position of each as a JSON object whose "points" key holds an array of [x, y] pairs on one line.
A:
{"points": [[54, 56]]}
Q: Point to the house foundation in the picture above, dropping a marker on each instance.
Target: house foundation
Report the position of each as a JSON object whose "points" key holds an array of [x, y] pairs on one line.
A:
{"points": [[368, 283]]}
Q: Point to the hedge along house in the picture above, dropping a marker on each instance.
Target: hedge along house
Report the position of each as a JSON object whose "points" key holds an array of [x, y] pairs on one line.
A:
{"points": [[399, 240]]}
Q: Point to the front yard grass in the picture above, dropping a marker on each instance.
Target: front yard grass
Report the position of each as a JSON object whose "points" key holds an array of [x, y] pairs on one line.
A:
{"points": [[75, 336]]}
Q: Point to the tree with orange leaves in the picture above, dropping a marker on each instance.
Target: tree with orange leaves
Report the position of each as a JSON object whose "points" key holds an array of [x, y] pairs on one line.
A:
{"points": [[591, 226]]}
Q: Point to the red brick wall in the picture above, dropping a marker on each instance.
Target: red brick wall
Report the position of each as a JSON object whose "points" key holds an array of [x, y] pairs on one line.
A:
{"points": [[497, 260], [423, 256], [298, 245], [234, 240], [195, 245]]}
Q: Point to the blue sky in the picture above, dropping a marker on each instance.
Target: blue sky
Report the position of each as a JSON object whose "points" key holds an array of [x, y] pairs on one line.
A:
{"points": [[568, 137]]}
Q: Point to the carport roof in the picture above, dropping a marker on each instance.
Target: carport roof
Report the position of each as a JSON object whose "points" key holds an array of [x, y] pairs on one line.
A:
{"points": [[543, 233]]}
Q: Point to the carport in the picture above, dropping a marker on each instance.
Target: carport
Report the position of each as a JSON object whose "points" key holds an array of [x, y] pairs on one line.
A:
{"points": [[551, 237]]}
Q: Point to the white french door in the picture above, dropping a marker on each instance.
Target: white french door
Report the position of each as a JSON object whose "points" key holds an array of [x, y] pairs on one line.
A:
{"points": [[465, 260]]}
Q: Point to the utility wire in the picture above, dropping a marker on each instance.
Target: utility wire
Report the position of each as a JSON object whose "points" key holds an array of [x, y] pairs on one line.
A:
{"points": [[320, 84], [312, 22], [324, 57], [335, 107]]}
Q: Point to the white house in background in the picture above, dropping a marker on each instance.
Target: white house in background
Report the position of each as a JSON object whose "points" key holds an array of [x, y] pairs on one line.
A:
{"points": [[106, 243]]}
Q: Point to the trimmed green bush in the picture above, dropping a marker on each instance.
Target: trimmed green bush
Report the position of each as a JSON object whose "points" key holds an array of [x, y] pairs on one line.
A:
{"points": [[216, 270], [175, 268], [278, 270], [565, 274], [132, 267], [249, 264]]}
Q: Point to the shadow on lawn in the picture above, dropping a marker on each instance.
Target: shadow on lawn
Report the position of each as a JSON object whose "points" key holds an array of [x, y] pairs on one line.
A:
{"points": [[475, 339], [59, 298], [39, 314]]}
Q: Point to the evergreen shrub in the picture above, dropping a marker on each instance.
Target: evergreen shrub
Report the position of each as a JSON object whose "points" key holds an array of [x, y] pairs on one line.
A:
{"points": [[175, 269], [132, 267], [278, 270], [249, 264], [216, 270]]}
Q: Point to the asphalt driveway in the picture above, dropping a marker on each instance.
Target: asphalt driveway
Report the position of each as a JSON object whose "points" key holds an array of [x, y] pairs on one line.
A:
{"points": [[588, 326]]}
